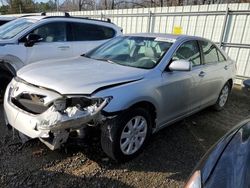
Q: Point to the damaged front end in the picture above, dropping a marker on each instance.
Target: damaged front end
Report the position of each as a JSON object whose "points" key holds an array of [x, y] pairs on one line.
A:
{"points": [[41, 113]]}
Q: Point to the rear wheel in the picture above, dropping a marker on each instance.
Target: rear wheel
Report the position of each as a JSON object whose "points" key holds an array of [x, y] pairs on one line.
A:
{"points": [[124, 137], [223, 97]]}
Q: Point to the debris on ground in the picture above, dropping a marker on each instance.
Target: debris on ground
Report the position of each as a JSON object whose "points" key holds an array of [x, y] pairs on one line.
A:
{"points": [[167, 161]]}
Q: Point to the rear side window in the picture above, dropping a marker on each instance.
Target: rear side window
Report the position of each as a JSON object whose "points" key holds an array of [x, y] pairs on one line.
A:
{"points": [[210, 52], [91, 32]]}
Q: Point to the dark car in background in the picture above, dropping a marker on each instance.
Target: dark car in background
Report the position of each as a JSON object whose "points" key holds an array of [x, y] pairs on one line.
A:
{"points": [[227, 163], [5, 19], [246, 86]]}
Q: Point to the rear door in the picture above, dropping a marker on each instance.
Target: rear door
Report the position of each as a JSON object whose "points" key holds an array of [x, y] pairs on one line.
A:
{"points": [[86, 36], [215, 68]]}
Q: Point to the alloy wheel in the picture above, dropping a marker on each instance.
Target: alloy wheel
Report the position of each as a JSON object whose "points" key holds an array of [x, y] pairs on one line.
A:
{"points": [[133, 135], [223, 96]]}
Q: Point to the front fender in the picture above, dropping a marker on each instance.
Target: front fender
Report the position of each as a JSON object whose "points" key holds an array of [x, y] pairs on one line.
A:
{"points": [[10, 63], [125, 96]]}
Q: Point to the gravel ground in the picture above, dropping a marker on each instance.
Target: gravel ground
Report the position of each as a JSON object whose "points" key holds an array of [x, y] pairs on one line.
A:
{"points": [[167, 161]]}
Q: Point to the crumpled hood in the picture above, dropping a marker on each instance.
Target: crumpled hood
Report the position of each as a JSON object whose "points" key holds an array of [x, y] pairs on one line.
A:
{"points": [[78, 75]]}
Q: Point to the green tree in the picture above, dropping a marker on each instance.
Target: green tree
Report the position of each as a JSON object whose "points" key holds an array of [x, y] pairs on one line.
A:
{"points": [[4, 9], [21, 6], [46, 7]]}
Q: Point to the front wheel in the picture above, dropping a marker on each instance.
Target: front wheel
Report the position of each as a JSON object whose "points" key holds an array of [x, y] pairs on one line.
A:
{"points": [[5, 79], [223, 97], [124, 137]]}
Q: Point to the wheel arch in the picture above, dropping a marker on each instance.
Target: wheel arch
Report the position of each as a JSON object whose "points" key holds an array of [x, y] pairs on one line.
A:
{"points": [[230, 81], [6, 67], [11, 64], [148, 106]]}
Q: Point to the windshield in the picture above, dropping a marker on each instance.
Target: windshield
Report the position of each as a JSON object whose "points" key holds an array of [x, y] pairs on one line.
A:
{"points": [[12, 28], [140, 52]]}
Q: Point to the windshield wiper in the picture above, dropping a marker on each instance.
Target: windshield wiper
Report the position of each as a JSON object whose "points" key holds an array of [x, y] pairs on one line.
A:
{"points": [[106, 60], [99, 59], [110, 61]]}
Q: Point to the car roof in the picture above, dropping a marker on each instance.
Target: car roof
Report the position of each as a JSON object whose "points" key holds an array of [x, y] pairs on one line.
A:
{"points": [[39, 17], [7, 18], [167, 36], [33, 17]]}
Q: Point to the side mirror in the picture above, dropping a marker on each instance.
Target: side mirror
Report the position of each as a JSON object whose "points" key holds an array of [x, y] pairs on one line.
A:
{"points": [[180, 65], [31, 39]]}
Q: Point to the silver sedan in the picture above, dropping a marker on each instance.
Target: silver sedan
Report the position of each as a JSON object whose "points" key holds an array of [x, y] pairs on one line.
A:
{"points": [[129, 87]]}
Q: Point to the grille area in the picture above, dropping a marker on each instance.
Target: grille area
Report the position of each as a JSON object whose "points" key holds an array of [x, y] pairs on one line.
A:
{"points": [[31, 103]]}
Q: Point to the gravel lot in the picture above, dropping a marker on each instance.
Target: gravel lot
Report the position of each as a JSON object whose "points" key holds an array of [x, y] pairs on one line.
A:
{"points": [[166, 162]]}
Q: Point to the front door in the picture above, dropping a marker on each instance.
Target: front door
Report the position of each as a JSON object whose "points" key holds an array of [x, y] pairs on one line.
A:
{"points": [[54, 44], [181, 88]]}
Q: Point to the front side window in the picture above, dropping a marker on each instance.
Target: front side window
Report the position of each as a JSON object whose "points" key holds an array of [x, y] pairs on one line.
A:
{"points": [[91, 32], [52, 32], [210, 52], [188, 51], [12, 28], [133, 51]]}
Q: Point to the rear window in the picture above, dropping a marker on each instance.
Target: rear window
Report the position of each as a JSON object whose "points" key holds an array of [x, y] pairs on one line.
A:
{"points": [[91, 32]]}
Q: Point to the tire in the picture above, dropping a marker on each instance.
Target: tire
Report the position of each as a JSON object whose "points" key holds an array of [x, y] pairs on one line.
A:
{"points": [[223, 97], [5, 79], [112, 131]]}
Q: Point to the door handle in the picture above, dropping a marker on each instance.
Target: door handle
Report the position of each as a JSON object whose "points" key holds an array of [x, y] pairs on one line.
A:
{"points": [[202, 74], [63, 47], [226, 67]]}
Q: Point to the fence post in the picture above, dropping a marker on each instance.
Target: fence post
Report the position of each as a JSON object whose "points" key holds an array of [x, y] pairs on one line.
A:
{"points": [[152, 22], [149, 21], [224, 27]]}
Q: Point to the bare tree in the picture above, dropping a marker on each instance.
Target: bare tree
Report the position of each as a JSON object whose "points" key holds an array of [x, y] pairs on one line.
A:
{"points": [[77, 5], [86, 4]]}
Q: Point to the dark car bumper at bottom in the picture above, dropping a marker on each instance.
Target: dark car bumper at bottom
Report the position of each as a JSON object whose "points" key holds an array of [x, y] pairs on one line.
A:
{"points": [[227, 163]]}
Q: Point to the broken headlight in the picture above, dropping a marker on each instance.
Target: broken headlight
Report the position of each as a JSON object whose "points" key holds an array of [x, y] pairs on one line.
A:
{"points": [[60, 104], [79, 102]]}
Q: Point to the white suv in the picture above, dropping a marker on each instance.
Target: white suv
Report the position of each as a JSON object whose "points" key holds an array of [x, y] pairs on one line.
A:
{"points": [[34, 38]]}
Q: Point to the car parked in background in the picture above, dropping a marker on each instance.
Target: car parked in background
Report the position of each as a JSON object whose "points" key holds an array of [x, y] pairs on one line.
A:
{"points": [[33, 38], [129, 87], [6, 19], [227, 163], [246, 86]]}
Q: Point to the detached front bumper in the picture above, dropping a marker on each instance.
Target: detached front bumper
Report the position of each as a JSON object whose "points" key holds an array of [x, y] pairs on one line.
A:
{"points": [[52, 127]]}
